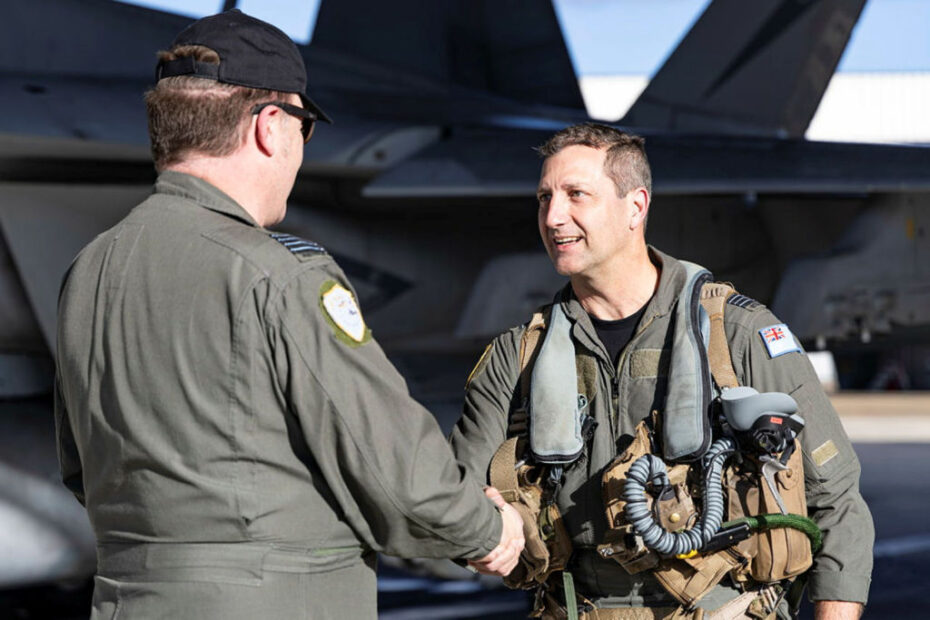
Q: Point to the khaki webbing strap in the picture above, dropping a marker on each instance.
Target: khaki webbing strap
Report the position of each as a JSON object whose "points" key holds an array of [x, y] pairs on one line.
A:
{"points": [[714, 297], [503, 471], [690, 580], [529, 347], [752, 604], [640, 613]]}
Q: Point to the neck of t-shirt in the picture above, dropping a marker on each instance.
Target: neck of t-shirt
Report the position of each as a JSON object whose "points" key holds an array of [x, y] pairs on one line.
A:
{"points": [[616, 334]]}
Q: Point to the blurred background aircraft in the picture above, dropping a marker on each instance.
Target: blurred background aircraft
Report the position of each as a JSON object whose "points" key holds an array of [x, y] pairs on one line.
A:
{"points": [[423, 189]]}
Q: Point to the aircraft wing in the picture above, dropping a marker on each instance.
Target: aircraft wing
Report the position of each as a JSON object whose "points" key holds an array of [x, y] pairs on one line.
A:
{"points": [[494, 163]]}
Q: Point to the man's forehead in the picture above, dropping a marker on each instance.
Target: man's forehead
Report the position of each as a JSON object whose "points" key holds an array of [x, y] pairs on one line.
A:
{"points": [[573, 162]]}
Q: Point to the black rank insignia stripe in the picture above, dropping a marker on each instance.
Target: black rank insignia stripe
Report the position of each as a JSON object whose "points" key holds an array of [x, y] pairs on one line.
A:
{"points": [[298, 246], [742, 301]]}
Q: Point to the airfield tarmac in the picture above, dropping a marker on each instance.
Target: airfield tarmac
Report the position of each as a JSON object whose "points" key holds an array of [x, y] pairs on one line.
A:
{"points": [[891, 432]]}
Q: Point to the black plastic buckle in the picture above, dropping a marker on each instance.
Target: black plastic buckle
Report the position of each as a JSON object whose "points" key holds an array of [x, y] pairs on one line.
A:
{"points": [[727, 537]]}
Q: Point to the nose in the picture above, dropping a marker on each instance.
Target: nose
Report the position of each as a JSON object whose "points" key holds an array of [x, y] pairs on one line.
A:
{"points": [[556, 212]]}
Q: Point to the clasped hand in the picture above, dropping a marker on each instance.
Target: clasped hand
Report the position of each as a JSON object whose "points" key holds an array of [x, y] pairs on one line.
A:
{"points": [[504, 557]]}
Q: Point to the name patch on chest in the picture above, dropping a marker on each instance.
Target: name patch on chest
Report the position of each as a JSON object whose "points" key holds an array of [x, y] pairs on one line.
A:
{"points": [[779, 340]]}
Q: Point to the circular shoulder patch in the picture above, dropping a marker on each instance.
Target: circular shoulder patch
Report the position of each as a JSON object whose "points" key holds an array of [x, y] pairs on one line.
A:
{"points": [[343, 313]]}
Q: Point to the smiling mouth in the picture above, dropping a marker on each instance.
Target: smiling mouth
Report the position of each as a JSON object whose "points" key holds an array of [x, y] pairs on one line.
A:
{"points": [[563, 241]]}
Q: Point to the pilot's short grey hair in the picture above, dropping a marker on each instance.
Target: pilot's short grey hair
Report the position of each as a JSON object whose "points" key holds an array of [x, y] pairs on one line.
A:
{"points": [[626, 163]]}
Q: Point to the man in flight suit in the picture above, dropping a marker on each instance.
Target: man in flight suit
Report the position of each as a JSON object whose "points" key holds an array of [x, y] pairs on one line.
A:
{"points": [[594, 196], [242, 445]]}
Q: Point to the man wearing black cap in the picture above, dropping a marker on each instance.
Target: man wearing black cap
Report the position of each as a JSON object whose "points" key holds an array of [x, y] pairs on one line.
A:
{"points": [[241, 443]]}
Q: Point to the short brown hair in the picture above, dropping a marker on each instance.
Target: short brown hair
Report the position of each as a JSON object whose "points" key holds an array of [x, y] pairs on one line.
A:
{"points": [[192, 114], [626, 163]]}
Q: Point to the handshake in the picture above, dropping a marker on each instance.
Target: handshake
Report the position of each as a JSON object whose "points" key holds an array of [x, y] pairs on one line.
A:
{"points": [[504, 557]]}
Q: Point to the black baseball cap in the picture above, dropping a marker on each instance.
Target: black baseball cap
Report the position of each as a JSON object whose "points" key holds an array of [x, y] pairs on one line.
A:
{"points": [[252, 53]]}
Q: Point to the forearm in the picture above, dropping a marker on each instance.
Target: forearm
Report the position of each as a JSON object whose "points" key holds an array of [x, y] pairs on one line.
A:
{"points": [[382, 455], [394, 476], [483, 426], [837, 610]]}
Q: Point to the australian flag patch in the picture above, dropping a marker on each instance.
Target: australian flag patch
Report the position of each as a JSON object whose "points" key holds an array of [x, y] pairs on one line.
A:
{"points": [[298, 246]]}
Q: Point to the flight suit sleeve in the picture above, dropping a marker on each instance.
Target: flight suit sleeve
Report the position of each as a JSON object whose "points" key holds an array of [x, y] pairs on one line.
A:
{"points": [[69, 461], [488, 393], [843, 567], [382, 454]]}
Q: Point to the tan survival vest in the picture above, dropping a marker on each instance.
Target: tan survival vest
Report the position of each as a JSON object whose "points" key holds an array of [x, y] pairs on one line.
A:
{"points": [[766, 557]]}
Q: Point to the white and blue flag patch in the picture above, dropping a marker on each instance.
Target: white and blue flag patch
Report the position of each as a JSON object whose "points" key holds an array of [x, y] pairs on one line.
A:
{"points": [[779, 340]]}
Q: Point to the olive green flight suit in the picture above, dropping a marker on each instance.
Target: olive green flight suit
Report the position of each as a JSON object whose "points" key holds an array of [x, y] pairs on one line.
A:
{"points": [[627, 393], [239, 453]]}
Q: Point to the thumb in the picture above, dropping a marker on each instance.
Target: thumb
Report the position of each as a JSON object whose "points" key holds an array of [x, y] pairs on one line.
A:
{"points": [[495, 496]]}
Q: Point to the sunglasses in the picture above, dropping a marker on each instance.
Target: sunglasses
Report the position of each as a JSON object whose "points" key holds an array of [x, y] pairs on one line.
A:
{"points": [[307, 118]]}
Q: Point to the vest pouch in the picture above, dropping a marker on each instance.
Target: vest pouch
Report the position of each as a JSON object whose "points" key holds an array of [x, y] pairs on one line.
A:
{"points": [[535, 557], [620, 545], [547, 547], [614, 476], [690, 580], [778, 553], [554, 534]]}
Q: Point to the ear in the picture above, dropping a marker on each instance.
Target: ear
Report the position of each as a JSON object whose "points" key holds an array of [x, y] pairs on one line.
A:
{"points": [[640, 207], [265, 128]]}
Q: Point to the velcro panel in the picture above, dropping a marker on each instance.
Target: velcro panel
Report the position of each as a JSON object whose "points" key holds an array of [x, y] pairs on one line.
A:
{"points": [[649, 363]]}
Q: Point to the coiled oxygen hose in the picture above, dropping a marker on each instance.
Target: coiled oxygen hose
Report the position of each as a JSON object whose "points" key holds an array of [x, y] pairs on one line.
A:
{"points": [[650, 468]]}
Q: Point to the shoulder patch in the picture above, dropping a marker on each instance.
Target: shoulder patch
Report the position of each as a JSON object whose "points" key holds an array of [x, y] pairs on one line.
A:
{"points": [[343, 314], [299, 247], [741, 301], [480, 365], [779, 340], [824, 453]]}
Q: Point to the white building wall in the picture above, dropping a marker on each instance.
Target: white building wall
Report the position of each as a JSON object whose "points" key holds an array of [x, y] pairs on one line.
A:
{"points": [[857, 107], [874, 107], [608, 97]]}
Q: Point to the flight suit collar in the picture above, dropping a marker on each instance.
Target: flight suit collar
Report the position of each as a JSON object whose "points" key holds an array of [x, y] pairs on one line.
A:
{"points": [[582, 328], [671, 280], [203, 193]]}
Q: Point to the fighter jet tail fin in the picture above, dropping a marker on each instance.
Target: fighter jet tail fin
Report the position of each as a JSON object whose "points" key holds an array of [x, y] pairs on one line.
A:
{"points": [[513, 49], [749, 68]]}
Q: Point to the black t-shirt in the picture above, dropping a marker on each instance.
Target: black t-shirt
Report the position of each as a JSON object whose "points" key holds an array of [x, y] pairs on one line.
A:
{"points": [[617, 334]]}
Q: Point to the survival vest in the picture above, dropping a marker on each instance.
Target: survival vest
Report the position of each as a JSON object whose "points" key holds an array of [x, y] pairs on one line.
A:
{"points": [[549, 430]]}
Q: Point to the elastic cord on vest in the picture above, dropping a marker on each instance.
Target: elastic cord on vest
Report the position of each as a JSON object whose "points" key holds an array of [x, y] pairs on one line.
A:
{"points": [[650, 468]]}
